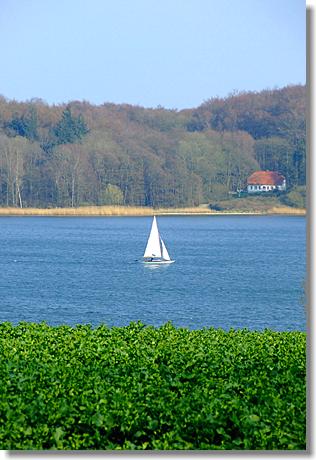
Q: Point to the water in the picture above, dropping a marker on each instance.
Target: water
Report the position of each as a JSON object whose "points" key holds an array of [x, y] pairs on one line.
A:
{"points": [[230, 271]]}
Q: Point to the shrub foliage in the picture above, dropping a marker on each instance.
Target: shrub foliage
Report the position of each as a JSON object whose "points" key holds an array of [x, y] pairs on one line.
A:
{"points": [[141, 387]]}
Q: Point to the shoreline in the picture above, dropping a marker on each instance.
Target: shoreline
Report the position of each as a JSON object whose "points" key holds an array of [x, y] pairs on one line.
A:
{"points": [[121, 211]]}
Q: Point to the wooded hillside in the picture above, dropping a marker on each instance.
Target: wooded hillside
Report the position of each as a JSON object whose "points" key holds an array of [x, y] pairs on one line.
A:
{"points": [[82, 154]]}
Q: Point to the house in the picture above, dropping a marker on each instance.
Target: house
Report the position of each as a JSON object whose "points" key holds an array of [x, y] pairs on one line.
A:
{"points": [[265, 181]]}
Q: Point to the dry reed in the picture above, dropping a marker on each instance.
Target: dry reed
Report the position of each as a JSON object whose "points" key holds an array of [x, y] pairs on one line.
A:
{"points": [[80, 211], [138, 211], [287, 210]]}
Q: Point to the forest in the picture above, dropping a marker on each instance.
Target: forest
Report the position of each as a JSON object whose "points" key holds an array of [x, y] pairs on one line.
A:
{"points": [[78, 154]]}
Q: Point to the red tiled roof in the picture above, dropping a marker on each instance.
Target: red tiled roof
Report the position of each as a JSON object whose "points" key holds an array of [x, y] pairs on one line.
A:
{"points": [[265, 178]]}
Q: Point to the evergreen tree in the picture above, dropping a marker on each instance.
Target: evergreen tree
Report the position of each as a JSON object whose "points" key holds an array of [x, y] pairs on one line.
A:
{"points": [[70, 129], [25, 125]]}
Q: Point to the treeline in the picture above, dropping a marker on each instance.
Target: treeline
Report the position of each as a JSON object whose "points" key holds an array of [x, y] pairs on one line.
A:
{"points": [[81, 154]]}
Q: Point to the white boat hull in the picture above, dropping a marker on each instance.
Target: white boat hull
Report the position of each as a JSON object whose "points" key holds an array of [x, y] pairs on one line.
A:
{"points": [[157, 262]]}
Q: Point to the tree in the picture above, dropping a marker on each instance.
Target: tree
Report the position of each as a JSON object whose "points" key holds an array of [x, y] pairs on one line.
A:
{"points": [[70, 129], [16, 156], [25, 125], [66, 168], [221, 160], [112, 195]]}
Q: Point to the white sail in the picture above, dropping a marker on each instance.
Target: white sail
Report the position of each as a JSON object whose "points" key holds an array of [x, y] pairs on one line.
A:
{"points": [[156, 251], [153, 248], [165, 254]]}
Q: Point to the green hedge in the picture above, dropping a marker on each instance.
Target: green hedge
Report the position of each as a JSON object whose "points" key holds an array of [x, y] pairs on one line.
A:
{"points": [[140, 387]]}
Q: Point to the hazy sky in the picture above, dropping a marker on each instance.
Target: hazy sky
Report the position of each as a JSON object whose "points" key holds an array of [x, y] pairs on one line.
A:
{"points": [[174, 53]]}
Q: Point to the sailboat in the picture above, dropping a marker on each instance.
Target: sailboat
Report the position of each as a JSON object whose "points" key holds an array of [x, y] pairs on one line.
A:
{"points": [[156, 251]]}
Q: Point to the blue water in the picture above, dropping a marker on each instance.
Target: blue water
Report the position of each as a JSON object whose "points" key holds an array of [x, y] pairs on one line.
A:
{"points": [[230, 271]]}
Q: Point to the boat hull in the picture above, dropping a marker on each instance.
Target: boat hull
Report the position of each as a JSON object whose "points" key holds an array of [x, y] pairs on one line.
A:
{"points": [[157, 262]]}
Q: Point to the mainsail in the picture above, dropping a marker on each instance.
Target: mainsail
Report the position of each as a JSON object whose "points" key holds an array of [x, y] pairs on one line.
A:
{"points": [[153, 248]]}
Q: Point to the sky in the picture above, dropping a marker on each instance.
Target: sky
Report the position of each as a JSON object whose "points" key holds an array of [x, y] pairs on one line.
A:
{"points": [[170, 53]]}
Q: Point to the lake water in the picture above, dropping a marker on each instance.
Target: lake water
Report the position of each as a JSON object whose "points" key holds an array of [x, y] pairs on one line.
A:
{"points": [[230, 271]]}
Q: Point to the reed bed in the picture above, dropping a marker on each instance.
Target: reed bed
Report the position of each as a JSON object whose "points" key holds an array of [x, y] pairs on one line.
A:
{"points": [[101, 211], [287, 210], [140, 211], [79, 211]]}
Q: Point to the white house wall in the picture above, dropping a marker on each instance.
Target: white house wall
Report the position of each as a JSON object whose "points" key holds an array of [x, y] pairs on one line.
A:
{"points": [[260, 188], [265, 188]]}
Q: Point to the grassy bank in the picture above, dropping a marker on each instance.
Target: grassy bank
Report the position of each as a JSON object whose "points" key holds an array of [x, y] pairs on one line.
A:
{"points": [[147, 211], [140, 387], [257, 204]]}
